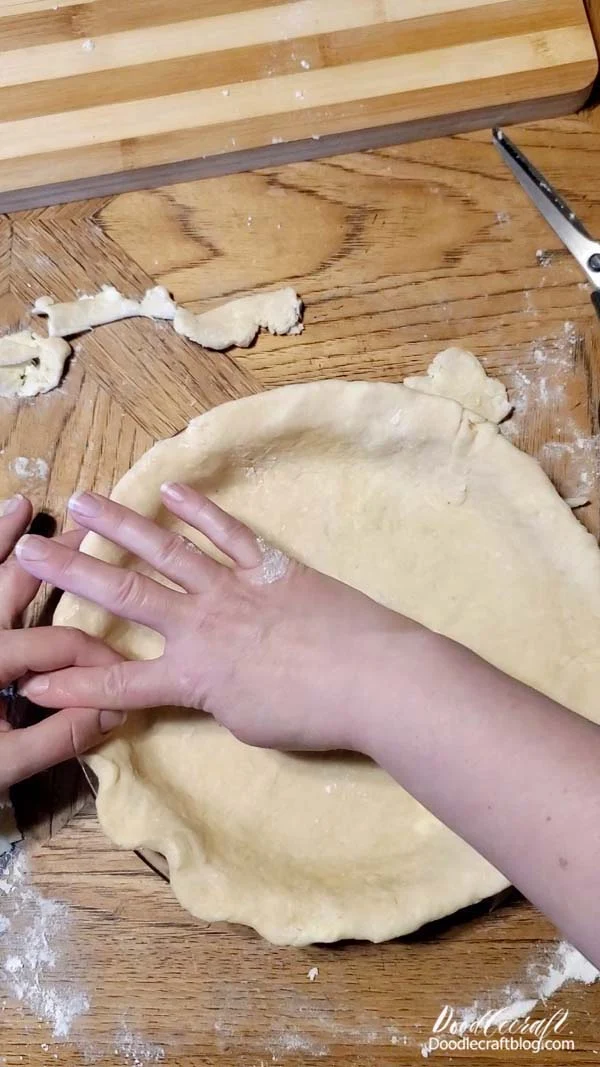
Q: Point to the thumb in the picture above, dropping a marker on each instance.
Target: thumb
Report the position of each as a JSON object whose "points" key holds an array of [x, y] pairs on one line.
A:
{"points": [[60, 737]]}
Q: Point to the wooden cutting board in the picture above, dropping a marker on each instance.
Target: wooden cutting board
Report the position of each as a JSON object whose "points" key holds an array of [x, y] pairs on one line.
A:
{"points": [[94, 90]]}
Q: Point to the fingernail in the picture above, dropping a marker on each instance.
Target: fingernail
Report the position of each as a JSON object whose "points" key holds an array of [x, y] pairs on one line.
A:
{"points": [[85, 504], [8, 507], [32, 547], [34, 687], [109, 720], [173, 490]]}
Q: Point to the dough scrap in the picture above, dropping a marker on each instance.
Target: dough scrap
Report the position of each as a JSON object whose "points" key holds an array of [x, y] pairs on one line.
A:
{"points": [[30, 364], [238, 322], [109, 305], [427, 509], [458, 375], [234, 323]]}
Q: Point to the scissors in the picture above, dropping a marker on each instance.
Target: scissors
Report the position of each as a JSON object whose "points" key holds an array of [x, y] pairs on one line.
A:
{"points": [[556, 212]]}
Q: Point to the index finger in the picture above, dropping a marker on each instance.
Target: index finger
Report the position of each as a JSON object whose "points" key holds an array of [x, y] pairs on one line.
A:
{"points": [[15, 516], [50, 648], [62, 736], [123, 592], [17, 587]]}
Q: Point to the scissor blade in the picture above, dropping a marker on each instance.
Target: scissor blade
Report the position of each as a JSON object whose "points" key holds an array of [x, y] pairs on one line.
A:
{"points": [[552, 206]]}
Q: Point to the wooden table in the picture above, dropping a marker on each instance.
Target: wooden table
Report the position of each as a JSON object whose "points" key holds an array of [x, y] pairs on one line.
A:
{"points": [[398, 253]]}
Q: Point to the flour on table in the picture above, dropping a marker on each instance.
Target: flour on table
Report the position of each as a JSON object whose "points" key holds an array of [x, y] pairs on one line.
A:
{"points": [[313, 974], [34, 932], [544, 257], [109, 305], [238, 322], [30, 364], [291, 1042], [29, 469], [581, 458], [544, 977], [543, 384], [136, 1051], [458, 375], [571, 457]]}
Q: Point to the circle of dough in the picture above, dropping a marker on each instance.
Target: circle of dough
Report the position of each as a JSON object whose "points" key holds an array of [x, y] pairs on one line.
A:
{"points": [[427, 509]]}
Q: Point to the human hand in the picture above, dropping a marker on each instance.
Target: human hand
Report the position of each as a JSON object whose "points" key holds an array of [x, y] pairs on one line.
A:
{"points": [[280, 654], [25, 751]]}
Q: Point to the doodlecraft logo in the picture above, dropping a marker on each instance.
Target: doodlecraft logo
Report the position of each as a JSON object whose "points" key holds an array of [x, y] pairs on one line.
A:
{"points": [[498, 1031]]}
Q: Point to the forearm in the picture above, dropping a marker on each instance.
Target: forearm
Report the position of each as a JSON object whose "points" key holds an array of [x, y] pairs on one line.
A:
{"points": [[512, 772]]}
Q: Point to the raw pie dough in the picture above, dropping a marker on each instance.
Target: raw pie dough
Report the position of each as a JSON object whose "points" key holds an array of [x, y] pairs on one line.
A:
{"points": [[427, 508], [238, 322], [109, 305], [235, 323], [460, 376], [30, 364]]}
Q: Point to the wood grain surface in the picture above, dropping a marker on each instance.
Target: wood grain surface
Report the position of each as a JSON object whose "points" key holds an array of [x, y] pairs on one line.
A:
{"points": [[398, 253], [103, 88]]}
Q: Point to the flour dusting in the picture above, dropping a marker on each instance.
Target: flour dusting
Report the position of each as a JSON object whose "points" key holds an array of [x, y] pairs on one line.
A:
{"points": [[545, 382], [581, 457], [274, 564], [291, 1042], [34, 931], [544, 258], [543, 978], [26, 468], [538, 390], [136, 1051]]}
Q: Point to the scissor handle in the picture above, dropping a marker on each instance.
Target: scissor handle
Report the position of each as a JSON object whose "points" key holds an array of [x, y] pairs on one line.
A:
{"points": [[596, 301]]}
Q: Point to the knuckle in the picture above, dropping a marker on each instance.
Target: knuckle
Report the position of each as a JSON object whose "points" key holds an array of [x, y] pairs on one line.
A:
{"points": [[128, 590], [65, 560], [238, 536], [170, 551], [114, 682], [192, 686], [75, 637]]}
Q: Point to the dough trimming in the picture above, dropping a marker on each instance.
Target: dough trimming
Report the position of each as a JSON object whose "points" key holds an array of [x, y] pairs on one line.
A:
{"points": [[30, 364]]}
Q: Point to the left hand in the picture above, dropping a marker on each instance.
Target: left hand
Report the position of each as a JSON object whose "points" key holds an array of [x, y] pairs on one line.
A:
{"points": [[280, 654], [69, 732]]}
